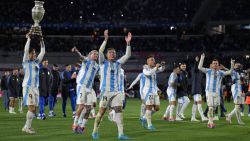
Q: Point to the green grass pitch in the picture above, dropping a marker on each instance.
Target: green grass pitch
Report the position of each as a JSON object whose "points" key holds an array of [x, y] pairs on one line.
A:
{"points": [[59, 129]]}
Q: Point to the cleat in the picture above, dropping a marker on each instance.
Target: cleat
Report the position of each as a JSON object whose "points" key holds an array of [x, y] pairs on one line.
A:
{"points": [[178, 118], [123, 137], [74, 128], [194, 120], [171, 119], [64, 115], [151, 128], [28, 130], [211, 125], [95, 135], [216, 118], [182, 116], [242, 114], [204, 119], [165, 118], [52, 114], [241, 123], [248, 115], [80, 130]]}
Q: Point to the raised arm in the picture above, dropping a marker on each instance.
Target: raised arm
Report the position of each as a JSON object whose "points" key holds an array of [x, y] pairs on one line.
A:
{"points": [[42, 51], [124, 58], [74, 49], [26, 48], [200, 66], [102, 48], [228, 72], [135, 81]]}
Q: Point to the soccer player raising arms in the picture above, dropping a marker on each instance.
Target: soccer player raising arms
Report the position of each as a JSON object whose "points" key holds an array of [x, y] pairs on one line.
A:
{"points": [[31, 79], [109, 86], [213, 84]]}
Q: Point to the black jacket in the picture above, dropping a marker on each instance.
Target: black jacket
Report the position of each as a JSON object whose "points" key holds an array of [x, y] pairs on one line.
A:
{"points": [[197, 77], [13, 85], [182, 90], [68, 84], [55, 84], [44, 82], [4, 85], [20, 85]]}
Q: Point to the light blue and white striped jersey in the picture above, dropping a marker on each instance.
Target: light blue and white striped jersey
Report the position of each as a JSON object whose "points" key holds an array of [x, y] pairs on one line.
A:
{"points": [[122, 79], [172, 79], [150, 81], [87, 73], [110, 76], [31, 74], [110, 71], [213, 77], [213, 81], [31, 68], [236, 87]]}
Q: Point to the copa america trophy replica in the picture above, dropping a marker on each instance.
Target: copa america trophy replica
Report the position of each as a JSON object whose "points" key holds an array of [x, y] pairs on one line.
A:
{"points": [[37, 15]]}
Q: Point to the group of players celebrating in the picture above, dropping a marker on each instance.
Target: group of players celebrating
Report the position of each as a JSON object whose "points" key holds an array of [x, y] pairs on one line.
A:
{"points": [[112, 93]]}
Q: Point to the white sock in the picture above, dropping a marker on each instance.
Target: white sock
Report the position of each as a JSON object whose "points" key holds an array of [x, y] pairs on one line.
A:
{"points": [[97, 122], [237, 112], [171, 111], [21, 104], [184, 105], [29, 118], [76, 120], [93, 112], [178, 109], [200, 111], [167, 111], [84, 122], [194, 111], [210, 114], [81, 116], [143, 109], [119, 121], [148, 117]]}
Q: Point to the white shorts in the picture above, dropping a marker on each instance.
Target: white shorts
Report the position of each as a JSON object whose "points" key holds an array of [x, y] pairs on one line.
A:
{"points": [[93, 96], [110, 100], [197, 97], [30, 96], [183, 99], [84, 95], [212, 100], [171, 95], [152, 100]]}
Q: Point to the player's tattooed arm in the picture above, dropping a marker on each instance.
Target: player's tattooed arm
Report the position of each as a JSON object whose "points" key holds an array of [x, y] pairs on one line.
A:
{"points": [[124, 58], [102, 48]]}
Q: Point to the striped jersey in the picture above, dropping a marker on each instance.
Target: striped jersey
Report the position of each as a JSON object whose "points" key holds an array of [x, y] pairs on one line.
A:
{"points": [[122, 79], [173, 78], [213, 80], [31, 67], [236, 87], [110, 76], [87, 73]]}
